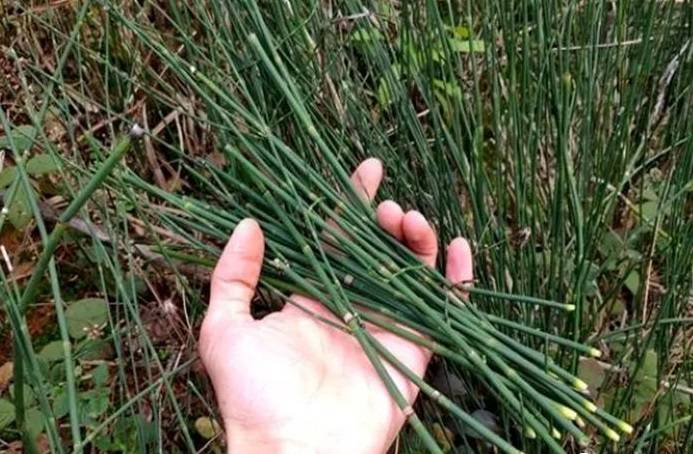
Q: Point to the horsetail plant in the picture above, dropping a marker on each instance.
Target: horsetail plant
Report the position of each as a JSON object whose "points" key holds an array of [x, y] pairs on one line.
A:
{"points": [[323, 242], [22, 345], [294, 94]]}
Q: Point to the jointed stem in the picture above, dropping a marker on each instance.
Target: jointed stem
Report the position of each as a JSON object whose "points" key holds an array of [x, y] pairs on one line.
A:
{"points": [[51, 244]]}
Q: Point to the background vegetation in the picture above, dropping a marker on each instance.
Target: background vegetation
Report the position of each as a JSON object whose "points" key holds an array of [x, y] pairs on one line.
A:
{"points": [[556, 136]]}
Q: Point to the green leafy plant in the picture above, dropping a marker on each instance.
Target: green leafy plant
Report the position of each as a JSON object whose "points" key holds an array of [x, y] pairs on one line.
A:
{"points": [[19, 211]]}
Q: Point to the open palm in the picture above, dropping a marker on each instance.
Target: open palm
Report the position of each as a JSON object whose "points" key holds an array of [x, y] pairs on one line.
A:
{"points": [[292, 383]]}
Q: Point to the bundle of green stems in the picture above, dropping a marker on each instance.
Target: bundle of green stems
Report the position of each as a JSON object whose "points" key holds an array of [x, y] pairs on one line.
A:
{"points": [[270, 104], [323, 242]]}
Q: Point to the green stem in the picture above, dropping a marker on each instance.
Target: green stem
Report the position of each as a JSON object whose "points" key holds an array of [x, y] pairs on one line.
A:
{"points": [[51, 244], [20, 413], [73, 208]]}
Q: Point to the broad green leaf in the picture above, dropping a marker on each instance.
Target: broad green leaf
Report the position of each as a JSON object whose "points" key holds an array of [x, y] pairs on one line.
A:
{"points": [[6, 413], [618, 307], [671, 420], [646, 389], [436, 54], [95, 402], [649, 365], [207, 427], [94, 349], [648, 210], [84, 315], [591, 372], [35, 421], [450, 89], [460, 32], [633, 254], [632, 282], [645, 382], [467, 46], [22, 136], [29, 395], [53, 351], [591, 280], [126, 430], [611, 244], [19, 213], [104, 443], [61, 406], [100, 374], [57, 373], [43, 366], [673, 406], [680, 397], [42, 164], [7, 176], [649, 194]]}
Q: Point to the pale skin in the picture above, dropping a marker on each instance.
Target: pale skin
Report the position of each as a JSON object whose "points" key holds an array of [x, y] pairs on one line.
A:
{"points": [[289, 383]]}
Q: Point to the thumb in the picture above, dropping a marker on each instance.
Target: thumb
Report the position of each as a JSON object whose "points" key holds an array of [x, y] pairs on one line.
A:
{"points": [[237, 272]]}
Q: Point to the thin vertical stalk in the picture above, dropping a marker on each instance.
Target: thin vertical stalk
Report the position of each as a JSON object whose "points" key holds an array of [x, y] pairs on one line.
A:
{"points": [[50, 245]]}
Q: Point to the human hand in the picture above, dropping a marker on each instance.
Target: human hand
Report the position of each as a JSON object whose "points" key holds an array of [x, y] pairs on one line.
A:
{"points": [[290, 383]]}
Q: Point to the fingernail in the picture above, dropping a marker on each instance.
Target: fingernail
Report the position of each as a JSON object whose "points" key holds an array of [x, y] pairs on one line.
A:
{"points": [[418, 215], [415, 222], [243, 233]]}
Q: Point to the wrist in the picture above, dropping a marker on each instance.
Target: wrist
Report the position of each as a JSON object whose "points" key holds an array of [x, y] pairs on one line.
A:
{"points": [[266, 446], [241, 441]]}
